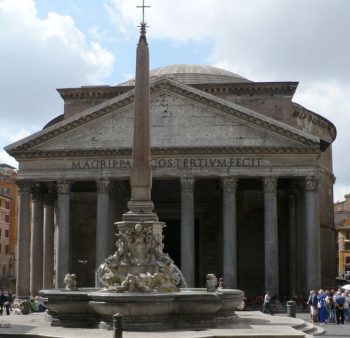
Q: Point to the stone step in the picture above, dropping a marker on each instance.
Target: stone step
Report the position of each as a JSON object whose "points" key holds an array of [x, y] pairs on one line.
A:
{"points": [[309, 328]]}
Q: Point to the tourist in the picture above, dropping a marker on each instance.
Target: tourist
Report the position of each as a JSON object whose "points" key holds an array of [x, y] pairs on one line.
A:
{"points": [[40, 301], [25, 306], [321, 304], [346, 305], [339, 307], [267, 303], [2, 301], [312, 302], [331, 305], [7, 303], [221, 283]]}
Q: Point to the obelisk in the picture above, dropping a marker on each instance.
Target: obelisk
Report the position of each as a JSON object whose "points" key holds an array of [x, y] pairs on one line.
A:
{"points": [[140, 205], [139, 264]]}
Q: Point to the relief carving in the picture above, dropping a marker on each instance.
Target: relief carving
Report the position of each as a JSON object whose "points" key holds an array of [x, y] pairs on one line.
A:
{"points": [[138, 246]]}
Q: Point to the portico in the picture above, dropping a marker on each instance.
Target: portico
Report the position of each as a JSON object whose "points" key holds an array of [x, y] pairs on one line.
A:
{"points": [[208, 213]]}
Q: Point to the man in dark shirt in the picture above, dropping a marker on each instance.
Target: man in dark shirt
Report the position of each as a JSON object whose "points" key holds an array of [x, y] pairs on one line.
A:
{"points": [[339, 307], [2, 301]]}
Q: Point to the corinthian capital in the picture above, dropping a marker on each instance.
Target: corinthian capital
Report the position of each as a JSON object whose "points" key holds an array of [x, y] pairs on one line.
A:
{"points": [[270, 184], [229, 184], [311, 183], [63, 187], [103, 186], [187, 184]]}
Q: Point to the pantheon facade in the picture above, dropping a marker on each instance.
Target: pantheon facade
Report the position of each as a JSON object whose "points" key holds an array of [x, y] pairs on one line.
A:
{"points": [[242, 176]]}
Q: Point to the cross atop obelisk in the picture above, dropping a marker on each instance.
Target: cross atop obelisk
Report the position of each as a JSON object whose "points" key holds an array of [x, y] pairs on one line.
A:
{"points": [[140, 205], [143, 11]]}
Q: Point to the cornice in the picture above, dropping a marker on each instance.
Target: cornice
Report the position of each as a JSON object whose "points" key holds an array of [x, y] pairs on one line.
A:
{"points": [[93, 92], [126, 152], [239, 88], [329, 174], [315, 119], [249, 88]]}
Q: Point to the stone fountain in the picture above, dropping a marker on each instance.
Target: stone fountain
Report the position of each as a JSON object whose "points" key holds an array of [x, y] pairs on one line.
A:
{"points": [[139, 281]]}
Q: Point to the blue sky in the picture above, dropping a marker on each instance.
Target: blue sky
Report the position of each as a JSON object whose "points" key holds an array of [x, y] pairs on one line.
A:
{"points": [[49, 44]]}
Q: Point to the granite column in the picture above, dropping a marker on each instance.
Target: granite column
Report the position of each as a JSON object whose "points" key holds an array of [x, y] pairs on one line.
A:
{"points": [[23, 241], [37, 242], [312, 224], [49, 234], [63, 232], [187, 231], [102, 230], [230, 232], [271, 236]]}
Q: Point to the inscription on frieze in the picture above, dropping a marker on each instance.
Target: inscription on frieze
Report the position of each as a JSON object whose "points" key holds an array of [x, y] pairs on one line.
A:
{"points": [[190, 163]]}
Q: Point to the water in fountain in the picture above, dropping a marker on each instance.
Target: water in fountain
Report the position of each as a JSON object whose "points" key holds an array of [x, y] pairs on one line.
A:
{"points": [[182, 278]]}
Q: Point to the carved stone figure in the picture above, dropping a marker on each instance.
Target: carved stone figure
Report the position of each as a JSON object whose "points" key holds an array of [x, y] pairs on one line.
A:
{"points": [[139, 263], [70, 281], [211, 282]]}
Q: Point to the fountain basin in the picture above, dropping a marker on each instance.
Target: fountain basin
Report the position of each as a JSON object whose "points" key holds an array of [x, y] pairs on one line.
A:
{"points": [[189, 308]]}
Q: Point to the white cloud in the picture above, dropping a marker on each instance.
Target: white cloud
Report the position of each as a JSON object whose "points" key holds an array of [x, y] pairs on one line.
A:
{"points": [[39, 55], [6, 158]]}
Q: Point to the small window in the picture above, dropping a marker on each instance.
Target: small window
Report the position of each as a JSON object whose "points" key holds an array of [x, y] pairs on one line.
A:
{"points": [[7, 205], [6, 233], [7, 218], [6, 249], [347, 260]]}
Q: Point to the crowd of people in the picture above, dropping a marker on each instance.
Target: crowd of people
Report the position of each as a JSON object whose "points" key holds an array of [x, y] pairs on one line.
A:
{"points": [[329, 306], [9, 304], [6, 301]]}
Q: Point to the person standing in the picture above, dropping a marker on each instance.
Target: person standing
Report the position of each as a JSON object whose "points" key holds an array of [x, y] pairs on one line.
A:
{"points": [[267, 303], [2, 302], [331, 306], [322, 307], [346, 306], [7, 304], [339, 307], [312, 302]]}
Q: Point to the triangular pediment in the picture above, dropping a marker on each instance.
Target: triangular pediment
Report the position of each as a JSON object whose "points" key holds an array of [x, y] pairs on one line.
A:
{"points": [[181, 117]]}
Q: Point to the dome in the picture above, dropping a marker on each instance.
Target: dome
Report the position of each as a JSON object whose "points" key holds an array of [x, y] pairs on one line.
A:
{"points": [[193, 74]]}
